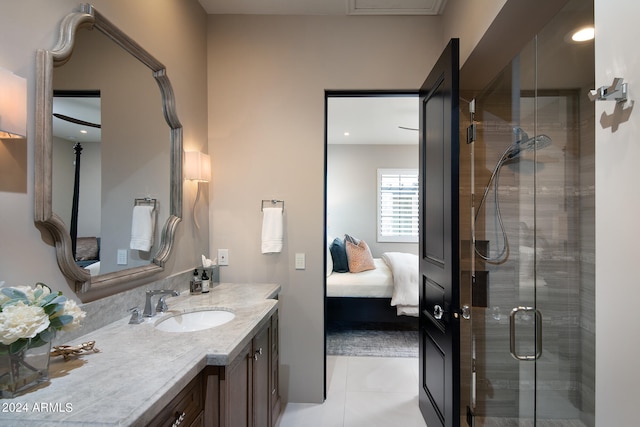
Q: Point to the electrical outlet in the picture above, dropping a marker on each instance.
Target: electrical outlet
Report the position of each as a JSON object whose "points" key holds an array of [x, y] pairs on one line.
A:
{"points": [[122, 257], [223, 256]]}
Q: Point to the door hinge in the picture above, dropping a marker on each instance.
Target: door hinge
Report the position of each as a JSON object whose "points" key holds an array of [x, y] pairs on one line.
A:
{"points": [[471, 133], [471, 130]]}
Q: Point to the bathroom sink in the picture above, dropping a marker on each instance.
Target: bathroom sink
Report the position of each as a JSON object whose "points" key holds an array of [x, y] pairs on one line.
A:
{"points": [[195, 321]]}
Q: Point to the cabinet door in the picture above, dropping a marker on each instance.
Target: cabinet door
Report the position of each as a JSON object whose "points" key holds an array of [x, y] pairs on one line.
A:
{"points": [[237, 402], [186, 408], [275, 371], [261, 373]]}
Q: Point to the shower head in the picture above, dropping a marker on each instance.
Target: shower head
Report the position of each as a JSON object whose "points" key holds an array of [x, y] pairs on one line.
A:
{"points": [[524, 143]]}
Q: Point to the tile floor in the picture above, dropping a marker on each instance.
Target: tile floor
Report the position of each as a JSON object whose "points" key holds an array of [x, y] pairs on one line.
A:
{"points": [[363, 392]]}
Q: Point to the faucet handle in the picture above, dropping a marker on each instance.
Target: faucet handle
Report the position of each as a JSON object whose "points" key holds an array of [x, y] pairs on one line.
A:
{"points": [[162, 305], [136, 316]]}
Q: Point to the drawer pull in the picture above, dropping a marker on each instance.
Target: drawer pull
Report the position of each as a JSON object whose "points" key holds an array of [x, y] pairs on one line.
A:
{"points": [[257, 353], [179, 420]]}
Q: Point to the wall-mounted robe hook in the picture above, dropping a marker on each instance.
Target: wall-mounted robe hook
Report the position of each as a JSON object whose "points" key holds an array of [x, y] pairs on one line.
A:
{"points": [[617, 91]]}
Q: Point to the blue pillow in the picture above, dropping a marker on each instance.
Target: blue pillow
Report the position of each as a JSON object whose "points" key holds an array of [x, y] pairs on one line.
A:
{"points": [[339, 256]]}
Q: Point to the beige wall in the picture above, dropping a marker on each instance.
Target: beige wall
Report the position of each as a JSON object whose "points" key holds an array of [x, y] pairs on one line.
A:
{"points": [[617, 225], [468, 21], [174, 32], [352, 188], [267, 77]]}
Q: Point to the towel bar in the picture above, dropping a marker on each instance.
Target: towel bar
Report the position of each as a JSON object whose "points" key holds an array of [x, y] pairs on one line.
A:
{"points": [[273, 203]]}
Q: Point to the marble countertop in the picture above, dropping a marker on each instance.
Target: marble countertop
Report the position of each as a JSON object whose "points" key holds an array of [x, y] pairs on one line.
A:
{"points": [[139, 369]]}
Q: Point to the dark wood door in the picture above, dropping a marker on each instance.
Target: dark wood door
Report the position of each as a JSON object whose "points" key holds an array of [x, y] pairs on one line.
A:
{"points": [[439, 243]]}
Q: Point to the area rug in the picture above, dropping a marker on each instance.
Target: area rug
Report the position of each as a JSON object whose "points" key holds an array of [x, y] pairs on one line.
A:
{"points": [[371, 339]]}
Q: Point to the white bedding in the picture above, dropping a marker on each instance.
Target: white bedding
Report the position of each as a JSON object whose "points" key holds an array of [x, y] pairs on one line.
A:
{"points": [[94, 268], [405, 281], [395, 277], [376, 283]]}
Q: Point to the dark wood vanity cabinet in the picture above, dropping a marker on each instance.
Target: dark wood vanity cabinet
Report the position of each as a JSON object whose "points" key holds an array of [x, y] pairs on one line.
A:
{"points": [[186, 409], [245, 393]]}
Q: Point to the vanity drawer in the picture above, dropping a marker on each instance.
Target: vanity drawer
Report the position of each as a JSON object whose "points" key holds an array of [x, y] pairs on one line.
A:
{"points": [[185, 409]]}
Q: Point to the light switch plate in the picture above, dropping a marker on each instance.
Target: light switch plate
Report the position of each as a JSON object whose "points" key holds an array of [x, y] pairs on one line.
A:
{"points": [[122, 257], [300, 261]]}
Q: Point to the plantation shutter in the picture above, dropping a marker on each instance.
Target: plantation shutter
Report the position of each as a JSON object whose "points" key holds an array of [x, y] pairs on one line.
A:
{"points": [[397, 205]]}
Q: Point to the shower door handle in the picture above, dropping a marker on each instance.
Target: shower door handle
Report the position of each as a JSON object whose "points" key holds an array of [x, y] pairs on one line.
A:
{"points": [[512, 334]]}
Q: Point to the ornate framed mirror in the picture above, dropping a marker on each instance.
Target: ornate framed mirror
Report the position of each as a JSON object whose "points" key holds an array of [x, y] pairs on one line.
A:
{"points": [[139, 156]]}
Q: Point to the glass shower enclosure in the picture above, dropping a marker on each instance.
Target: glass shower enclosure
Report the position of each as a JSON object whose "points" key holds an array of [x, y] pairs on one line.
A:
{"points": [[528, 236]]}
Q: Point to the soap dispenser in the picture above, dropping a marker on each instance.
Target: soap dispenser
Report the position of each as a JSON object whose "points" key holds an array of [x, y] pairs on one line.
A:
{"points": [[205, 282], [195, 286]]}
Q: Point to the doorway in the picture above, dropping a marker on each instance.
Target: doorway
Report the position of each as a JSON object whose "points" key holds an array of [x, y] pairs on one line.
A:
{"points": [[372, 159]]}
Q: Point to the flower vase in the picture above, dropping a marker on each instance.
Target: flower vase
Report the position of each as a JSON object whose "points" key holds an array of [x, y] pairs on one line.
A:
{"points": [[22, 370]]}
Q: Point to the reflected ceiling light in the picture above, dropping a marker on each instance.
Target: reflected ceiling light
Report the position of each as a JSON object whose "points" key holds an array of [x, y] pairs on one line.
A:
{"points": [[13, 105], [346, 134], [583, 34]]}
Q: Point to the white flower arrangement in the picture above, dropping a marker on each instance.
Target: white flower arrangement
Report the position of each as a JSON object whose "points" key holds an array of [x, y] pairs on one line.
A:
{"points": [[30, 317]]}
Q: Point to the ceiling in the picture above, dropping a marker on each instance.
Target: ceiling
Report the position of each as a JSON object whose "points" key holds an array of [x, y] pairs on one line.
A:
{"points": [[85, 109], [373, 120], [324, 7]]}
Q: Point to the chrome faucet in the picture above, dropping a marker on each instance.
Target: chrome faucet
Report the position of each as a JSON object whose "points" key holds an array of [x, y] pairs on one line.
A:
{"points": [[162, 305]]}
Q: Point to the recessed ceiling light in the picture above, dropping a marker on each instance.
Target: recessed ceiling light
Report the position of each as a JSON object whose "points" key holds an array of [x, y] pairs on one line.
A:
{"points": [[83, 131], [346, 134], [583, 34]]}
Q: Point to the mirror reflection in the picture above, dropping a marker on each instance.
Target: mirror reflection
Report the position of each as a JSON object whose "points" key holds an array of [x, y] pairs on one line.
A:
{"points": [[77, 165], [119, 162]]}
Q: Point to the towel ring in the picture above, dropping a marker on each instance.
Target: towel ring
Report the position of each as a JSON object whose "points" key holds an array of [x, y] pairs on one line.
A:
{"points": [[273, 202], [145, 201]]}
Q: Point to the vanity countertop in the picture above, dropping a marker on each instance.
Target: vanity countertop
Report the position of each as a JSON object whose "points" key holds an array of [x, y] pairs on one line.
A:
{"points": [[139, 369]]}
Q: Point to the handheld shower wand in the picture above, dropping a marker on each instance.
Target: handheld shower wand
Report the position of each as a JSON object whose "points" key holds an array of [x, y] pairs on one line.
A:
{"points": [[523, 143]]}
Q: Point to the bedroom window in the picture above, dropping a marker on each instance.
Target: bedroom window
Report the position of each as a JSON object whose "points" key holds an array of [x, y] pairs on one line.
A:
{"points": [[397, 205]]}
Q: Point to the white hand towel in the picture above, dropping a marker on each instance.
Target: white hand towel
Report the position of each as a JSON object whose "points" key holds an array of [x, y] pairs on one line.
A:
{"points": [[271, 230], [142, 228]]}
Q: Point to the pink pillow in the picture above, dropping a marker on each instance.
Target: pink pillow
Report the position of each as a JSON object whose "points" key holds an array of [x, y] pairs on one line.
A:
{"points": [[359, 257]]}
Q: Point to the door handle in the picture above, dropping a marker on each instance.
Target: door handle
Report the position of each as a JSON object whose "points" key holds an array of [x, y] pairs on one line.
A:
{"points": [[512, 334], [438, 312]]}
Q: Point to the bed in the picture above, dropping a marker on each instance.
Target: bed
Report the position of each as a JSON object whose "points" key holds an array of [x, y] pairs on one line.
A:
{"points": [[87, 254], [386, 293]]}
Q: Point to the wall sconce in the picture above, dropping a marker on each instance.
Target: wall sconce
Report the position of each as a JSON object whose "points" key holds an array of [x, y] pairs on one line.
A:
{"points": [[197, 167], [13, 105]]}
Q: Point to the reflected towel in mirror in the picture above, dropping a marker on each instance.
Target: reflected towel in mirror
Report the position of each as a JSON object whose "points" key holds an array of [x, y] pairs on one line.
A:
{"points": [[142, 228]]}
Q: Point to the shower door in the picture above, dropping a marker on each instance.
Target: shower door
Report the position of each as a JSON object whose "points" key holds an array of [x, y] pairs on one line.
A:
{"points": [[530, 339]]}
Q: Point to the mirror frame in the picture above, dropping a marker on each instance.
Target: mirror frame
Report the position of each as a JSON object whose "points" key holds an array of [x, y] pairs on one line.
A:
{"points": [[90, 288]]}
